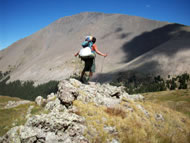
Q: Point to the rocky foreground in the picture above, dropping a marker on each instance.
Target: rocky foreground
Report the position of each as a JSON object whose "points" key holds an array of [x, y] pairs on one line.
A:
{"points": [[80, 113]]}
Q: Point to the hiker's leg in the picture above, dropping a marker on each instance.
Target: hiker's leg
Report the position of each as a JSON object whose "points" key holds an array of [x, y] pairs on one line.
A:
{"points": [[90, 74], [91, 68], [82, 75], [84, 70]]}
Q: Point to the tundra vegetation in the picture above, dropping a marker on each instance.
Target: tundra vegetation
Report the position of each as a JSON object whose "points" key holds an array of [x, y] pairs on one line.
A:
{"points": [[134, 127]]}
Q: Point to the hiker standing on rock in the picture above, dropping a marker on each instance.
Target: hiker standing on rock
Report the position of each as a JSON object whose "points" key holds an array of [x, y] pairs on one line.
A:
{"points": [[88, 55]]}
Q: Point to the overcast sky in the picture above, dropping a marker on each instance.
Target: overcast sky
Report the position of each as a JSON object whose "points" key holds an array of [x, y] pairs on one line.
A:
{"points": [[21, 18]]}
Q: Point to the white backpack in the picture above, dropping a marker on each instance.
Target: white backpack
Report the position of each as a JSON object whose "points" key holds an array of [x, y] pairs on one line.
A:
{"points": [[86, 53]]}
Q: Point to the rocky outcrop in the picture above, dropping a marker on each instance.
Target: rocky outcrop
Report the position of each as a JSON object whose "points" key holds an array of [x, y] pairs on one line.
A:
{"points": [[59, 125], [12, 104], [62, 123], [40, 100], [104, 94]]}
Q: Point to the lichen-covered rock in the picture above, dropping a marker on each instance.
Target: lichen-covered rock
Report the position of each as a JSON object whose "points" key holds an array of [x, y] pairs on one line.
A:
{"points": [[67, 92], [110, 130], [75, 82], [12, 104], [143, 110], [39, 100], [114, 141], [54, 105], [62, 122], [66, 98], [159, 117], [51, 97], [28, 133], [73, 109], [53, 127], [134, 97], [12, 136], [108, 102], [29, 111], [106, 94]]}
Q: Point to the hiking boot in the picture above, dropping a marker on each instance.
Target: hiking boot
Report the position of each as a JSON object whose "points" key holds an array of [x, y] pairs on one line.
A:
{"points": [[81, 80]]}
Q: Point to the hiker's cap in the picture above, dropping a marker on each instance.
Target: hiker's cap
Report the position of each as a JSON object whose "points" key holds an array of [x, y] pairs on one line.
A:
{"points": [[88, 38]]}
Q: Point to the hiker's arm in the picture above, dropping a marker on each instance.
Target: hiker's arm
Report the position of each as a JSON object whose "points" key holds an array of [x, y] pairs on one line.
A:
{"points": [[98, 52], [76, 54]]}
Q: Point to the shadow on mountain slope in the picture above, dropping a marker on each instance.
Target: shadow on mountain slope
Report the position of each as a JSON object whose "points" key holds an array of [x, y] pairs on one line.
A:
{"points": [[119, 32], [146, 42], [113, 76], [150, 40]]}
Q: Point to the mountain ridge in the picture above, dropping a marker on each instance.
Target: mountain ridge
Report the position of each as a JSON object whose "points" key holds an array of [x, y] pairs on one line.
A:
{"points": [[45, 54]]}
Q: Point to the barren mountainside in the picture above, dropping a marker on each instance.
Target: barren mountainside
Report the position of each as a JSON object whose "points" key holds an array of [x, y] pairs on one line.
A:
{"points": [[132, 43]]}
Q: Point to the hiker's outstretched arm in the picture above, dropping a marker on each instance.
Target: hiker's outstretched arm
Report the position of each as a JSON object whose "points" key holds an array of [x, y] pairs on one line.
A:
{"points": [[76, 54], [98, 52]]}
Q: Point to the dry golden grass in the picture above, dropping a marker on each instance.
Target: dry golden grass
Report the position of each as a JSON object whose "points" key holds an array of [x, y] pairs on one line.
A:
{"points": [[178, 100], [135, 126], [116, 112]]}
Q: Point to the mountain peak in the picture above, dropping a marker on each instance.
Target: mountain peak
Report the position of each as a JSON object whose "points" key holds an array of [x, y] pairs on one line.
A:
{"points": [[124, 38]]}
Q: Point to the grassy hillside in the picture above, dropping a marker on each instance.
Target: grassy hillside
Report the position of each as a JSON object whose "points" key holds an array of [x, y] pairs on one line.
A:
{"points": [[15, 116], [134, 126], [178, 100]]}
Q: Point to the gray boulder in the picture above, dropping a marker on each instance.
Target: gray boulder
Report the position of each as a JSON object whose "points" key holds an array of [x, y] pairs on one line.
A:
{"points": [[47, 128], [159, 117], [140, 107], [40, 100], [68, 91], [12, 104], [54, 105], [12, 136], [51, 97]]}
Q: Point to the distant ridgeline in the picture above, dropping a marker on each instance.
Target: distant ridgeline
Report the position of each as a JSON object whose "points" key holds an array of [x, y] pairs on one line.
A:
{"points": [[149, 84], [25, 90]]}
